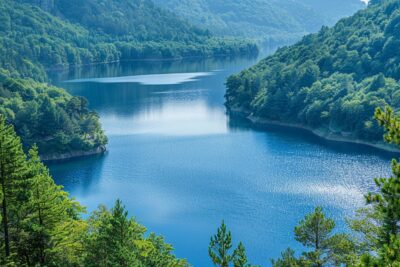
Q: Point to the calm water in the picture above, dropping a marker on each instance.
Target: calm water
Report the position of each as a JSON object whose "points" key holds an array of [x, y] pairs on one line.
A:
{"points": [[181, 165]]}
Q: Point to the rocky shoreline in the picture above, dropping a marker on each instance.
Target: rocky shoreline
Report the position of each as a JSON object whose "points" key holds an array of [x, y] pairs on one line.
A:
{"points": [[72, 155], [322, 133]]}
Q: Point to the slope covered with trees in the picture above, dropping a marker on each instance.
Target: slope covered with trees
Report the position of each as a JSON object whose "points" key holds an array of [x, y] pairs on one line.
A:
{"points": [[57, 122], [36, 35], [42, 226], [331, 81], [265, 20]]}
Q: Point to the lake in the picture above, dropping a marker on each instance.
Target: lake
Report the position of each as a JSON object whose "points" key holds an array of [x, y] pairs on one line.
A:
{"points": [[181, 165]]}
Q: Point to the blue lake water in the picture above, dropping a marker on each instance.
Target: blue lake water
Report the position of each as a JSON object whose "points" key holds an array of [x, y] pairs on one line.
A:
{"points": [[181, 165]]}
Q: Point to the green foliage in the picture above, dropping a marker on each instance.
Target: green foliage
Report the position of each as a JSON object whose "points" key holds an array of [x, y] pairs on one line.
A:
{"points": [[13, 180], [264, 20], [240, 257], [315, 232], [220, 247], [331, 81], [84, 32], [288, 259], [48, 116], [114, 239], [42, 226]]}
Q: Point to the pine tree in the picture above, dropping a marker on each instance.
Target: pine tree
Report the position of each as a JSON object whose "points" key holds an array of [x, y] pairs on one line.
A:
{"points": [[326, 248], [240, 257], [288, 259], [112, 238], [219, 247], [386, 201], [52, 224], [12, 184]]}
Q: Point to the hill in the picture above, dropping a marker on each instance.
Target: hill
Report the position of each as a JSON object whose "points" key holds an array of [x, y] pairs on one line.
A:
{"points": [[266, 20], [41, 34], [330, 82], [36, 35]]}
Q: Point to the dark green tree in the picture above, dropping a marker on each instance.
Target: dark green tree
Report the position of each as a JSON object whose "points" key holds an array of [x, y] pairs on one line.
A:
{"points": [[220, 246]]}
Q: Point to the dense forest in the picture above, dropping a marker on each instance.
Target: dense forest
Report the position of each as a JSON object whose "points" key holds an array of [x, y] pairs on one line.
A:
{"points": [[84, 32], [268, 21], [56, 121], [331, 81]]}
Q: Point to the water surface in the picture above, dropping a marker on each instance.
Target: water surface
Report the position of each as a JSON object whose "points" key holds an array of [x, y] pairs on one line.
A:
{"points": [[181, 165]]}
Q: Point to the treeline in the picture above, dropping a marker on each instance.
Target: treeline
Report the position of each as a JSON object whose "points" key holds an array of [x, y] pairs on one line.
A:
{"points": [[268, 21], [47, 116], [40, 34], [331, 81], [374, 239], [42, 226]]}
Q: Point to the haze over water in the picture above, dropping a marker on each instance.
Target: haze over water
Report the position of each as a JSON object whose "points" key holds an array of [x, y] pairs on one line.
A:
{"points": [[181, 165]]}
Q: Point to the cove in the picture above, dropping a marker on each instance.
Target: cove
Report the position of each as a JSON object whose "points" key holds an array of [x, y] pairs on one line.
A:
{"points": [[181, 165]]}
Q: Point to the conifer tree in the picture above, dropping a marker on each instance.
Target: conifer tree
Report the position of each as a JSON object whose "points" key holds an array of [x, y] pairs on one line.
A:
{"points": [[240, 257], [219, 247], [288, 259], [112, 238], [52, 225], [12, 184], [386, 202], [326, 248]]}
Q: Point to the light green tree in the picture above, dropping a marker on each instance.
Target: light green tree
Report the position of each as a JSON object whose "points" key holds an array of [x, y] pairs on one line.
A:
{"points": [[13, 181]]}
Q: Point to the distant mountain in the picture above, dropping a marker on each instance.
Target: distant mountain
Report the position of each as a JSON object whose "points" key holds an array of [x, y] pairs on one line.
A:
{"points": [[333, 10], [275, 20], [330, 82]]}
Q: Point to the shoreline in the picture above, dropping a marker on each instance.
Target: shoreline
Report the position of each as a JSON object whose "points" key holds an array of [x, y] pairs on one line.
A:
{"points": [[166, 59], [59, 157], [326, 135]]}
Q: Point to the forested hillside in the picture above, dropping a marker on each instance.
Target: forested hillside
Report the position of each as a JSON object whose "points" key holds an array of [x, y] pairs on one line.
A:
{"points": [[83, 32], [36, 35], [265, 20], [331, 81]]}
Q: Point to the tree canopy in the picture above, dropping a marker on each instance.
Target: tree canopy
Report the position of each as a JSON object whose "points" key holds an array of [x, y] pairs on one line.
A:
{"points": [[331, 81]]}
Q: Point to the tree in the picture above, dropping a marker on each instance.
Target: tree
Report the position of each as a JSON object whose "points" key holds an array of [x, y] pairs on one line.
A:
{"points": [[288, 259], [315, 232], [53, 227], [240, 258], [219, 247], [386, 202], [111, 236], [13, 178]]}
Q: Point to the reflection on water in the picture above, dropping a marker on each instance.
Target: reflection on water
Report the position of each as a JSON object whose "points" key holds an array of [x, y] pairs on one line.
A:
{"points": [[172, 118], [150, 79], [181, 165]]}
